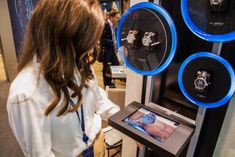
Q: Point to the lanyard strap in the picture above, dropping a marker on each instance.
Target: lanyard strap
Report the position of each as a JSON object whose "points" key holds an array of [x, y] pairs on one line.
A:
{"points": [[85, 138]]}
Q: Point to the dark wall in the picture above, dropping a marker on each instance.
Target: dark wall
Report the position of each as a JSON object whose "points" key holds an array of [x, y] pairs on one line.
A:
{"points": [[166, 90]]}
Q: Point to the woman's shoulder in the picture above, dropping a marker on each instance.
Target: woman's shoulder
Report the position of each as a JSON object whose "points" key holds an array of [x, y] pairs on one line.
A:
{"points": [[28, 83]]}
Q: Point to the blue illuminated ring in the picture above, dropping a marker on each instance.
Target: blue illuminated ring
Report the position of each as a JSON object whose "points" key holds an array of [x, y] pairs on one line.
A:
{"points": [[198, 32], [170, 22], [226, 64]]}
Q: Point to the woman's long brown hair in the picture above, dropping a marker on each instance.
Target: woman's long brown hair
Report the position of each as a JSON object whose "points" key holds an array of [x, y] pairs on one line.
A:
{"points": [[62, 35]]}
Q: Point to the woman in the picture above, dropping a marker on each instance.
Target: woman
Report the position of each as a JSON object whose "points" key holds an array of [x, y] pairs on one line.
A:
{"points": [[54, 104]]}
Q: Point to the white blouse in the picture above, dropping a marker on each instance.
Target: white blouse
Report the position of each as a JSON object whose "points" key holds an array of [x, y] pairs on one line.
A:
{"points": [[53, 136]]}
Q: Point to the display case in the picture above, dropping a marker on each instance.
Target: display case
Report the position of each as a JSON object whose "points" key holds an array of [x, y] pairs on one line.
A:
{"points": [[200, 68]]}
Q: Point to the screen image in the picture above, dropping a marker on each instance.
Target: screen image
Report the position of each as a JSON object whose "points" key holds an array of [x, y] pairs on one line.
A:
{"points": [[151, 124]]}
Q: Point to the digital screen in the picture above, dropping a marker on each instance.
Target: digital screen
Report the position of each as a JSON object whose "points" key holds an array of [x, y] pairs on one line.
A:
{"points": [[151, 124]]}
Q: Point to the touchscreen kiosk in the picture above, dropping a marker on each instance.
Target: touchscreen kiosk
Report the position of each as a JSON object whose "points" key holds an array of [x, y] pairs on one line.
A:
{"points": [[152, 128], [151, 124]]}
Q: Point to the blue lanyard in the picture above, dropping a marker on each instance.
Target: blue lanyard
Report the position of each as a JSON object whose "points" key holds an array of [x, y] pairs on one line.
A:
{"points": [[85, 138]]}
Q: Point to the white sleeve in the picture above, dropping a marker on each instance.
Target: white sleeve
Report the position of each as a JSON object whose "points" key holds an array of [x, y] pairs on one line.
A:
{"points": [[30, 126], [104, 106]]}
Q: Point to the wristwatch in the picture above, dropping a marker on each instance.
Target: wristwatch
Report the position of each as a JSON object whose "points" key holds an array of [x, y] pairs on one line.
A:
{"points": [[219, 6], [216, 2], [201, 83], [148, 118], [133, 38], [149, 39]]}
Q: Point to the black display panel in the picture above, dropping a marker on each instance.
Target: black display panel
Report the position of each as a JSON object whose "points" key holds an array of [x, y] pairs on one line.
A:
{"points": [[166, 91], [228, 50]]}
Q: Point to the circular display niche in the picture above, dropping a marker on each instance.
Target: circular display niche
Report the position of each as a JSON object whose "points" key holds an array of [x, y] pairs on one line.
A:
{"points": [[207, 80], [146, 38], [211, 20]]}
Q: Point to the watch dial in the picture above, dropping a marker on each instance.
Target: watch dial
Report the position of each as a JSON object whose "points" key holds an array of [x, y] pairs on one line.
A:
{"points": [[200, 83], [148, 118], [215, 2]]}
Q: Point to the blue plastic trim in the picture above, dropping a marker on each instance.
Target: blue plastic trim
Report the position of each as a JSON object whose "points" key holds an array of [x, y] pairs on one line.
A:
{"points": [[198, 32], [226, 64], [167, 17]]}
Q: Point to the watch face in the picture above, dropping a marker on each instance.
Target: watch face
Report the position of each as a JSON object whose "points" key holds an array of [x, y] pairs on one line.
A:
{"points": [[147, 39], [215, 2], [200, 84], [148, 118], [131, 37]]}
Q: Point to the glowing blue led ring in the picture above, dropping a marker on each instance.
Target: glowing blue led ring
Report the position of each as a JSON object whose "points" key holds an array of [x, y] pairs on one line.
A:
{"points": [[170, 22], [198, 32], [226, 64]]}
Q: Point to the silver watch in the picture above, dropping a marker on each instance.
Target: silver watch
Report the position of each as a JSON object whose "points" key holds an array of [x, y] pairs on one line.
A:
{"points": [[216, 2], [146, 40], [201, 83], [132, 36]]}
